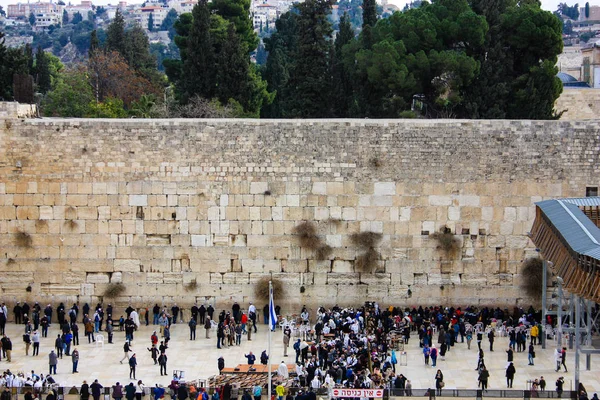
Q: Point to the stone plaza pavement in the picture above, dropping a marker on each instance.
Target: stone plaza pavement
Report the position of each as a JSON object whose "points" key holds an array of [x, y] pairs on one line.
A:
{"points": [[199, 360]]}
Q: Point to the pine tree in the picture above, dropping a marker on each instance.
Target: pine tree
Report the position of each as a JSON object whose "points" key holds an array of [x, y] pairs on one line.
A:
{"points": [[65, 17], [369, 13], [115, 34], [31, 19], [42, 70], [199, 65]]}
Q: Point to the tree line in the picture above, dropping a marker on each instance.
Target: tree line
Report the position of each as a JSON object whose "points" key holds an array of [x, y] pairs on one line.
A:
{"points": [[448, 58]]}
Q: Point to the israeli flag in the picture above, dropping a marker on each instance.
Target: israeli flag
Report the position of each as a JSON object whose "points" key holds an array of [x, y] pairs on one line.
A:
{"points": [[272, 314]]}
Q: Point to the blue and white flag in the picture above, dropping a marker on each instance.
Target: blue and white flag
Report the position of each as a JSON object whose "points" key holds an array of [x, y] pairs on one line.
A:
{"points": [[272, 314]]}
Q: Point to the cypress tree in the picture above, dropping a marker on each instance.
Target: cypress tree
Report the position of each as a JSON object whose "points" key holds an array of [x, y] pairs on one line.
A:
{"points": [[199, 65], [237, 12], [341, 93], [94, 43], [310, 78], [42, 68], [369, 13], [587, 10], [115, 34], [151, 22], [232, 70]]}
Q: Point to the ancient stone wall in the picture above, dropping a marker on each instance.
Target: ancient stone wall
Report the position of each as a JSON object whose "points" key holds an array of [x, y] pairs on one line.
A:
{"points": [[178, 210], [579, 104]]}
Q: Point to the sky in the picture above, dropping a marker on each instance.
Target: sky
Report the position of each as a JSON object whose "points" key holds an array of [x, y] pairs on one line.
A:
{"points": [[546, 4]]}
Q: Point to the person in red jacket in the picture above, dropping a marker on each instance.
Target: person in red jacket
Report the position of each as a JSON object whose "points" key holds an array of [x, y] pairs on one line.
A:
{"points": [[244, 321]]}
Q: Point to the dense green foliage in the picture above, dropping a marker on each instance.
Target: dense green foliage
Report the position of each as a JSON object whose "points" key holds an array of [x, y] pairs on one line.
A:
{"points": [[447, 58], [477, 59], [518, 75], [215, 61], [568, 11]]}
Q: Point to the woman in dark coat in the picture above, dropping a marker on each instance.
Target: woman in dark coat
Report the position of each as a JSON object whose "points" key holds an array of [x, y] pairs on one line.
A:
{"points": [[130, 391], [84, 393], [510, 374], [439, 382]]}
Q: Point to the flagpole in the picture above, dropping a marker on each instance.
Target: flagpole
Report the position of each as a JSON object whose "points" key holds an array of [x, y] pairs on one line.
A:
{"points": [[269, 345]]}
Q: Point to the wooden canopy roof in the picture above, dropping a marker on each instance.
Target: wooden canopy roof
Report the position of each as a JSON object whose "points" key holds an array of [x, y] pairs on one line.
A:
{"points": [[567, 233]]}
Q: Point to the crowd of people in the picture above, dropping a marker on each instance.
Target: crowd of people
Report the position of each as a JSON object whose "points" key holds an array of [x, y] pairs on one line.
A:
{"points": [[335, 347]]}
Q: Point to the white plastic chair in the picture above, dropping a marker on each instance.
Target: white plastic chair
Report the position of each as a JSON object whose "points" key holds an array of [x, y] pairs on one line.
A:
{"points": [[100, 340]]}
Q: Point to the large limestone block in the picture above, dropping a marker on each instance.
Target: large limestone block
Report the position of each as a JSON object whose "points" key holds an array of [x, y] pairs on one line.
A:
{"points": [[384, 188], [294, 266], [381, 279], [253, 266], [128, 265], [335, 278], [341, 266], [97, 278]]}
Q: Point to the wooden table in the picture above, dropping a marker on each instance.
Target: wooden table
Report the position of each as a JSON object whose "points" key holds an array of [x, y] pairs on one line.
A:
{"points": [[258, 369]]}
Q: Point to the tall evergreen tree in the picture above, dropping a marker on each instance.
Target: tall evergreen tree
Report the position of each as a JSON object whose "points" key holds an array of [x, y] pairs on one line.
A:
{"points": [[587, 10], [281, 45], [31, 19], [369, 8], [237, 12], [94, 43], [137, 52], [310, 77], [232, 67], [115, 34], [168, 22], [65, 17], [515, 79], [42, 71], [151, 22], [199, 65], [342, 96], [12, 61], [30, 59], [77, 18]]}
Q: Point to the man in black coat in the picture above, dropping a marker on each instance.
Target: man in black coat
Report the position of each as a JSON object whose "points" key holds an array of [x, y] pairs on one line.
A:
{"points": [[17, 310]]}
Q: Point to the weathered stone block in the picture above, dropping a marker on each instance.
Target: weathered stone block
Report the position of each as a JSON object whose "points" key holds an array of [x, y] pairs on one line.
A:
{"points": [[127, 265]]}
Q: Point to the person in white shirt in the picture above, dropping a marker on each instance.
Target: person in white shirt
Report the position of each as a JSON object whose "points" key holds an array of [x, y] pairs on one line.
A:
{"points": [[18, 381], [316, 383], [135, 318], [282, 371]]}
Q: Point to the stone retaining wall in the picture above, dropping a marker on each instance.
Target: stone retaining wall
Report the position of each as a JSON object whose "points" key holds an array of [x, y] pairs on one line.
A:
{"points": [[162, 204]]}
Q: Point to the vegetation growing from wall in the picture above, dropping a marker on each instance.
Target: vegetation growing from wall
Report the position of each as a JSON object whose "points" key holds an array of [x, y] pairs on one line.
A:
{"points": [[447, 242], [261, 289], [532, 274], [114, 290], [306, 232], [366, 242]]}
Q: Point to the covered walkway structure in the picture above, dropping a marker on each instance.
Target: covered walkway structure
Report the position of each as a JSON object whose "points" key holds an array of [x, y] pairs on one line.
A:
{"points": [[567, 234]]}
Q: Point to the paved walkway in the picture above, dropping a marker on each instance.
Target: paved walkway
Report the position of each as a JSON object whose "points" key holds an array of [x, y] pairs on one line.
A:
{"points": [[199, 360]]}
